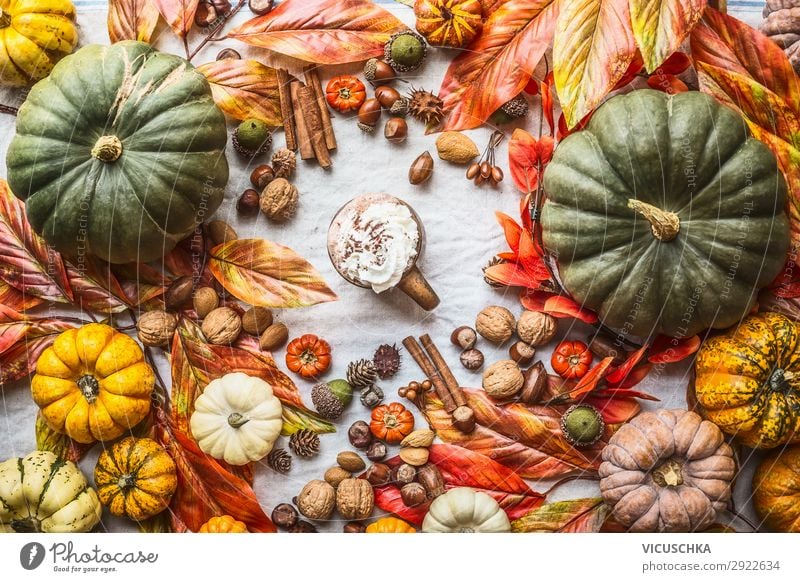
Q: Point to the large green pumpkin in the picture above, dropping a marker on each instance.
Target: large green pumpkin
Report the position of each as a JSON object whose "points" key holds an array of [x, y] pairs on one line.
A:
{"points": [[119, 153], [665, 215]]}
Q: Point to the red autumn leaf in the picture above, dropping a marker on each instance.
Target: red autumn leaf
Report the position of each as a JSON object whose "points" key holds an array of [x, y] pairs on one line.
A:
{"points": [[132, 20], [49, 440], [264, 273], [621, 392], [513, 275], [614, 410], [676, 64], [571, 516], [179, 14], [195, 363], [547, 101], [527, 158], [556, 305], [498, 64], [26, 262], [667, 350], [324, 32], [669, 84], [633, 71], [524, 438], [592, 378], [621, 372], [18, 358], [17, 300], [205, 488], [96, 287], [461, 467], [512, 230], [245, 89], [787, 284], [635, 376]]}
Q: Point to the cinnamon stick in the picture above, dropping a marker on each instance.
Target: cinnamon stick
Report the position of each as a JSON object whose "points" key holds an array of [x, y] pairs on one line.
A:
{"points": [[303, 136], [286, 109], [313, 120], [312, 79], [444, 370], [427, 367]]}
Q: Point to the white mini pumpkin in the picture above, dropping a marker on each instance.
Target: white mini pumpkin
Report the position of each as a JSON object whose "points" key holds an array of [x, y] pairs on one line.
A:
{"points": [[237, 419], [43, 493], [464, 510]]}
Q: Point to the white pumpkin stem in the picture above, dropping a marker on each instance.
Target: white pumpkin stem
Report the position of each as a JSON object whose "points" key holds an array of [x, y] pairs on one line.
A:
{"points": [[664, 224], [107, 149], [237, 420]]}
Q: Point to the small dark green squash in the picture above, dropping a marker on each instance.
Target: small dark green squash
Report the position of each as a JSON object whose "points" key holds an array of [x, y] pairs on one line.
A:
{"points": [[665, 215], [119, 153]]}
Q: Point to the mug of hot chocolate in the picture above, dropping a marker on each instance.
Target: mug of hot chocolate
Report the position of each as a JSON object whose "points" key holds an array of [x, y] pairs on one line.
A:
{"points": [[375, 241]]}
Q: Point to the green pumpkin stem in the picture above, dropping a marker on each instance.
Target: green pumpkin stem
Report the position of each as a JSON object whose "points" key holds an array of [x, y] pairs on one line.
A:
{"points": [[664, 224], [108, 149], [237, 420], [89, 386]]}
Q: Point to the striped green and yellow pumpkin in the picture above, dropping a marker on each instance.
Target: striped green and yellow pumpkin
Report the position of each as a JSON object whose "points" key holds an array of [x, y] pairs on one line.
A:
{"points": [[135, 478], [44, 493]]}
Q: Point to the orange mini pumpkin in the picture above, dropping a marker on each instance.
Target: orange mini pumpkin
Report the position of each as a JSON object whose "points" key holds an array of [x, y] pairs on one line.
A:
{"points": [[308, 356], [223, 524], [776, 490], [452, 23], [345, 93], [390, 525], [571, 359], [391, 422]]}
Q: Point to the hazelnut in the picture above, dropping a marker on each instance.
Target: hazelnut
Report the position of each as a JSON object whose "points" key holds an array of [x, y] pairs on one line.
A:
{"points": [[396, 129], [278, 201], [415, 456], [521, 353], [220, 232], [536, 328], [404, 473], [379, 474], [222, 326], [256, 319], [430, 477], [464, 337], [503, 379], [261, 176], [359, 434], [377, 451], [534, 385], [350, 461], [369, 113], [178, 293], [284, 515], [206, 300], [386, 95], [413, 494], [464, 419], [273, 337], [247, 205], [336, 475], [316, 499], [496, 324], [472, 359], [205, 15], [155, 328], [260, 7], [354, 527], [355, 499]]}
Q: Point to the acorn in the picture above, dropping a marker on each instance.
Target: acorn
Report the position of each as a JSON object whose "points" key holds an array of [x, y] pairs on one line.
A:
{"points": [[368, 115], [252, 138], [582, 425], [387, 96], [405, 51], [378, 71]]}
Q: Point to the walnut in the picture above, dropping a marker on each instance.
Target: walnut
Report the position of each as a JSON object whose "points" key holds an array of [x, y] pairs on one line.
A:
{"points": [[355, 499], [316, 499], [503, 379], [496, 324], [156, 327], [222, 326], [536, 328], [279, 200]]}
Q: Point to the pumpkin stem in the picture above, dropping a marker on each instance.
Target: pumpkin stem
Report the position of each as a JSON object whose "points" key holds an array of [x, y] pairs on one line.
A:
{"points": [[668, 474], [28, 525], [390, 420], [107, 149], [664, 224], [237, 420], [5, 19], [779, 380], [126, 482], [89, 386]]}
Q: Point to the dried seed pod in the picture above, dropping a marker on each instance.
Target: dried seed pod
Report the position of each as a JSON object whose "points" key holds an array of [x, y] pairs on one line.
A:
{"points": [[413, 494], [222, 326], [284, 515], [473, 171], [256, 320], [535, 383], [273, 337], [431, 479], [521, 353], [464, 337], [379, 474], [421, 169], [350, 461], [179, 293], [472, 359], [404, 473]]}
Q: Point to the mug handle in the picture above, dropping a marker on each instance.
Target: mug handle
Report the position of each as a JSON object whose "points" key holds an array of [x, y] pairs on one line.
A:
{"points": [[415, 286]]}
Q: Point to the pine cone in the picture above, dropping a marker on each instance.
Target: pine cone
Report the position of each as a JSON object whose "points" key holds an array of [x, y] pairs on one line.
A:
{"points": [[371, 396], [304, 442], [426, 107], [362, 374], [284, 162], [279, 460], [387, 361]]}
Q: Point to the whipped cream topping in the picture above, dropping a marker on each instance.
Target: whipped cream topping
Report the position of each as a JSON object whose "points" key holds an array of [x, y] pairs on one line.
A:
{"points": [[378, 244]]}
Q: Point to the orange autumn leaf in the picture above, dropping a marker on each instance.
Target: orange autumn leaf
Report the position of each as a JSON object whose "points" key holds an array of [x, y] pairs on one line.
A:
{"points": [[245, 89], [556, 305], [593, 48], [264, 273], [661, 26], [132, 20], [571, 516], [498, 64], [324, 32], [17, 300], [527, 158], [179, 14]]}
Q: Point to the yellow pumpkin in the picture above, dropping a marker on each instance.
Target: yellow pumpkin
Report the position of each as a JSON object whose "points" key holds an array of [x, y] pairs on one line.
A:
{"points": [[776, 490], [34, 35], [93, 383], [135, 478], [748, 381], [223, 524], [390, 525], [450, 23]]}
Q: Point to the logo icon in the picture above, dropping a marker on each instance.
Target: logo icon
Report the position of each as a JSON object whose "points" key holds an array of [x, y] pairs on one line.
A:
{"points": [[31, 555]]}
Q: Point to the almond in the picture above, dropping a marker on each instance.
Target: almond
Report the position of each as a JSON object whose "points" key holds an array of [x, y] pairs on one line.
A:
{"points": [[456, 147], [419, 438], [415, 456]]}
